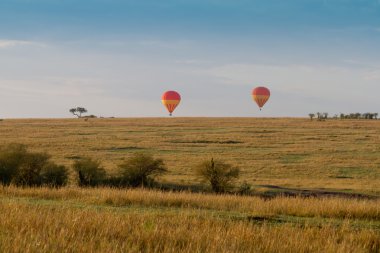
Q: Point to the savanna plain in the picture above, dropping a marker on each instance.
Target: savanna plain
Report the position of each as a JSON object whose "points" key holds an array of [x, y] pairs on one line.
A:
{"points": [[315, 187]]}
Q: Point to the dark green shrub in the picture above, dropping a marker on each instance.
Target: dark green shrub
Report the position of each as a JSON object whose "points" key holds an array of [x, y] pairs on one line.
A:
{"points": [[54, 175], [89, 172], [11, 157], [141, 170], [28, 172], [218, 174]]}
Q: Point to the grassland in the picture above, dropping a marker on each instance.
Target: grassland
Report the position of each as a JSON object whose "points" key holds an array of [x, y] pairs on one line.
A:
{"points": [[336, 161], [273, 154], [109, 220]]}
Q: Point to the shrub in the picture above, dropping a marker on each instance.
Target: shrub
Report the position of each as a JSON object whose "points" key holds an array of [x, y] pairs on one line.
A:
{"points": [[54, 175], [245, 189], [141, 170], [24, 168], [11, 157], [89, 171], [114, 182], [218, 174], [28, 173]]}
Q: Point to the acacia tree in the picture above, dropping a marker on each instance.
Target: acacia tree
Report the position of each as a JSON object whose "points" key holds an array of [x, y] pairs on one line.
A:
{"points": [[311, 115], [78, 111]]}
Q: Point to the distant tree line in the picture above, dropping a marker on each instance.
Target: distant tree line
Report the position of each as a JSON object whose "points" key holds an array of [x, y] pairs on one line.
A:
{"points": [[21, 167], [367, 115], [323, 116]]}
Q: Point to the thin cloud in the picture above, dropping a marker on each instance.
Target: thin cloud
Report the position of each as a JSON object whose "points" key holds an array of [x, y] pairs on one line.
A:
{"points": [[56, 87], [14, 43], [178, 44]]}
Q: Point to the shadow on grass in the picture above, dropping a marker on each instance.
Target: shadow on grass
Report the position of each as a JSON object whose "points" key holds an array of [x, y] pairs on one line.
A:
{"points": [[272, 191]]}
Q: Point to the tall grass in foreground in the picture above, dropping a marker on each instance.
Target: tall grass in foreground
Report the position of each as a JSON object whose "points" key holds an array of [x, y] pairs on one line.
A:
{"points": [[297, 206], [41, 228]]}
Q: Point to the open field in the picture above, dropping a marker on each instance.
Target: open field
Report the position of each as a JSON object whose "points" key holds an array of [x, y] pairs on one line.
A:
{"points": [[336, 161], [275, 155]]}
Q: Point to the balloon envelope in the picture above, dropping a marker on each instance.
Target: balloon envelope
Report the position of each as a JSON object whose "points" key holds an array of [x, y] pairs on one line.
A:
{"points": [[260, 95], [170, 100]]}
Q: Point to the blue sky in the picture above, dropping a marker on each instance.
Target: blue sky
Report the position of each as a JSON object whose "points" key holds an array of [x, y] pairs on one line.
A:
{"points": [[117, 57]]}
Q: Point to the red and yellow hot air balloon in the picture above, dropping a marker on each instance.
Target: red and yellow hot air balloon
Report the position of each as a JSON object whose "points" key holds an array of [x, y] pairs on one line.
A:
{"points": [[260, 95], [170, 100]]}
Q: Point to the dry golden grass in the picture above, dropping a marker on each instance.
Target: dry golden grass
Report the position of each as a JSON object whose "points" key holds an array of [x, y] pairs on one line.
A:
{"points": [[108, 220], [298, 206], [276, 155], [290, 153]]}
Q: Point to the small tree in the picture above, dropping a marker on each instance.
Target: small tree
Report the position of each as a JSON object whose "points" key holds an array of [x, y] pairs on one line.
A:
{"points": [[218, 174], [141, 170], [311, 115], [54, 175], [78, 111], [89, 172]]}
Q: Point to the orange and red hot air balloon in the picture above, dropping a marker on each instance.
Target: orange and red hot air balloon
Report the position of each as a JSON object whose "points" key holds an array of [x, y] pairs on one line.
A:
{"points": [[170, 100], [260, 95]]}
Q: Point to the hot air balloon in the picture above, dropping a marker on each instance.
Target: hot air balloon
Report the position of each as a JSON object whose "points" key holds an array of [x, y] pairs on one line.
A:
{"points": [[170, 100], [260, 95]]}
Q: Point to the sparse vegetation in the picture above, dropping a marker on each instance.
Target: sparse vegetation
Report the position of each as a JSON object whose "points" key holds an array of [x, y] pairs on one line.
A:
{"points": [[260, 147], [334, 164]]}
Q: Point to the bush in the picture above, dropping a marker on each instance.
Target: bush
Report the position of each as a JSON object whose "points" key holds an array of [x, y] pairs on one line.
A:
{"points": [[218, 174], [89, 171], [24, 168], [245, 189], [141, 170], [11, 158], [114, 182], [54, 175], [28, 173]]}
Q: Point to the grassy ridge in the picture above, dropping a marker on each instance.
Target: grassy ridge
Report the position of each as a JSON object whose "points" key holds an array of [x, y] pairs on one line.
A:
{"points": [[109, 220], [290, 153]]}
